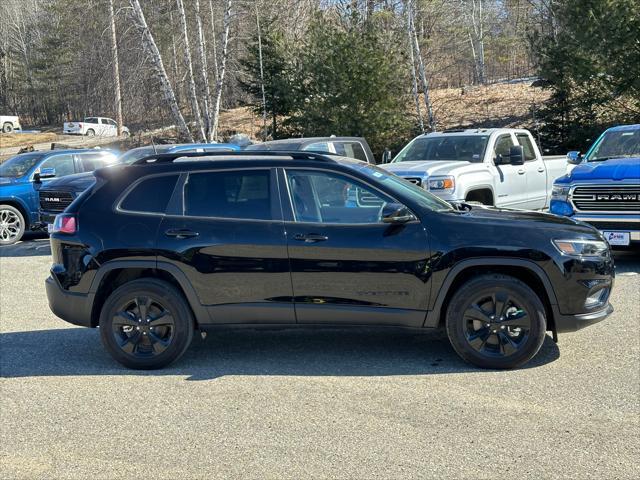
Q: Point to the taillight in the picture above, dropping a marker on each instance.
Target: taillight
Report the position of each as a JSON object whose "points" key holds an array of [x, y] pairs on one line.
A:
{"points": [[65, 223]]}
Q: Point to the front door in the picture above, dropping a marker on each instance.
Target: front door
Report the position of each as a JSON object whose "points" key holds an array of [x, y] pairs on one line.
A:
{"points": [[227, 235], [511, 180], [536, 174], [347, 266]]}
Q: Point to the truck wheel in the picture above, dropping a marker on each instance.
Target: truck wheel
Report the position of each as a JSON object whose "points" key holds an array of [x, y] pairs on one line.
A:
{"points": [[7, 127], [11, 225], [126, 134], [146, 324], [90, 133], [496, 321]]}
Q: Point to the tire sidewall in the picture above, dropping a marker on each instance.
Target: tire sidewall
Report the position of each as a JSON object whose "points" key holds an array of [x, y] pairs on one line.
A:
{"points": [[22, 225], [489, 284], [171, 299], [7, 128]]}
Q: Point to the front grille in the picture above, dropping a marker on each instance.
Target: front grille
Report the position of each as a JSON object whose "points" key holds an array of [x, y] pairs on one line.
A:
{"points": [[52, 201], [415, 180], [605, 198], [616, 226]]}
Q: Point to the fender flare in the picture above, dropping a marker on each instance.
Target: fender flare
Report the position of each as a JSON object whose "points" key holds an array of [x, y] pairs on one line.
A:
{"points": [[433, 316], [200, 312]]}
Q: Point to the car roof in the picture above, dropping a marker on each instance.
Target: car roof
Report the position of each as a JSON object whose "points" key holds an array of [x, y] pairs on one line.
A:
{"points": [[471, 132]]}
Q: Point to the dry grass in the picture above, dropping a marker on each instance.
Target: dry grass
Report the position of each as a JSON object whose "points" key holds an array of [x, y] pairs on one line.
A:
{"points": [[22, 139]]}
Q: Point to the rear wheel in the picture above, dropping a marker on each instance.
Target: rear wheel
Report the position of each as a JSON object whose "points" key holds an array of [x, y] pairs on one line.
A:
{"points": [[496, 321], [91, 132], [146, 324], [11, 225], [7, 127]]}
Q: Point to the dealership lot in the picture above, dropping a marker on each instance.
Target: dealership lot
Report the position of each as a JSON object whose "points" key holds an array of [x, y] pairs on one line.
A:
{"points": [[297, 404]]}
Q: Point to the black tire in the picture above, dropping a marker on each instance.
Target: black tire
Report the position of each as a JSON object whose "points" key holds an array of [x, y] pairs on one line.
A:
{"points": [[7, 127], [486, 341], [123, 329], [12, 225], [91, 133], [126, 134]]}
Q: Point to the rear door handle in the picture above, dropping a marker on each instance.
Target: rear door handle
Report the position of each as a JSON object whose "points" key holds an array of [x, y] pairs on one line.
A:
{"points": [[521, 172], [541, 170], [310, 237], [181, 233]]}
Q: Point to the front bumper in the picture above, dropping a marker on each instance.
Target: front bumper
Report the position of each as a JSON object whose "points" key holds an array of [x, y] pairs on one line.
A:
{"points": [[573, 323], [71, 307], [613, 223]]}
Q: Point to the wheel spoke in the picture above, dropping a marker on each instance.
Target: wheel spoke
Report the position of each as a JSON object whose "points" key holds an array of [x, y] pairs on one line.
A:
{"points": [[500, 302], [142, 303], [521, 319], [130, 344], [474, 312], [158, 344], [507, 346], [479, 339], [125, 318], [163, 319]]}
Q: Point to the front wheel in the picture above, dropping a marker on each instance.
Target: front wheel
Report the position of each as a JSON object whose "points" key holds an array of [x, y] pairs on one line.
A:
{"points": [[11, 225], [7, 127], [146, 324], [496, 321]]}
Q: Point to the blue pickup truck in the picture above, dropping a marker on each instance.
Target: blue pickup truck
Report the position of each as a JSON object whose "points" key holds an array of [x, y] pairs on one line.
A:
{"points": [[603, 189], [23, 175]]}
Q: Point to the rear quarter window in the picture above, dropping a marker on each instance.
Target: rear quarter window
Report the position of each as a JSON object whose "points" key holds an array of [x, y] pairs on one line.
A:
{"points": [[151, 195]]}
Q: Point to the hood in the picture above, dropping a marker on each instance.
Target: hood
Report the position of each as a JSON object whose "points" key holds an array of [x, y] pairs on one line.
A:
{"points": [[425, 167], [73, 183], [614, 169]]}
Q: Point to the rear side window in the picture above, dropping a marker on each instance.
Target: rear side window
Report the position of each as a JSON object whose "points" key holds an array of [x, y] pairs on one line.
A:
{"points": [[350, 149], [527, 146], [91, 161], [151, 195], [235, 194]]}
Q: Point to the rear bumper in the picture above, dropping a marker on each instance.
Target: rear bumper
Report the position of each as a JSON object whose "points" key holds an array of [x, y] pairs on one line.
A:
{"points": [[572, 323], [74, 308]]}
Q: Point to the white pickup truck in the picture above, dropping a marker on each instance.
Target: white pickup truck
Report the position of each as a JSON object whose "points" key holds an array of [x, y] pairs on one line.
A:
{"points": [[9, 123], [94, 126], [495, 166]]}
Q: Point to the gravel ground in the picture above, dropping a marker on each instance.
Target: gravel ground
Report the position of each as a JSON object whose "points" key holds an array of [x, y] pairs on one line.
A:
{"points": [[323, 404]]}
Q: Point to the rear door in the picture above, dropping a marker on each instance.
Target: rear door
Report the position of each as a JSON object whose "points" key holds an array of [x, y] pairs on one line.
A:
{"points": [[347, 267], [225, 232], [535, 172], [510, 180]]}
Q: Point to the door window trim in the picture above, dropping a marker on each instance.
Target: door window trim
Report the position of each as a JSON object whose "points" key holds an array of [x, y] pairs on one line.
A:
{"points": [[356, 179]]}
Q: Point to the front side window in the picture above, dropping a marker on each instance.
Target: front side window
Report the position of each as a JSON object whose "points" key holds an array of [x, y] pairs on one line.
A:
{"points": [[527, 146], [320, 197], [151, 195], [229, 194], [503, 146], [62, 164]]}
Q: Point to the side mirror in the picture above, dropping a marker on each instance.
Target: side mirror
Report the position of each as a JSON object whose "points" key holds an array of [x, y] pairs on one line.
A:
{"points": [[386, 156], [516, 155], [44, 173], [574, 157], [396, 213]]}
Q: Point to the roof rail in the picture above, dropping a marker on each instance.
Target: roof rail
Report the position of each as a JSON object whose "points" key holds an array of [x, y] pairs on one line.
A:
{"points": [[170, 157]]}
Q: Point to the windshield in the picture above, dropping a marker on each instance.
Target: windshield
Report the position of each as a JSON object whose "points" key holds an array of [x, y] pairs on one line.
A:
{"points": [[20, 165], [138, 153], [614, 144], [462, 148], [401, 187]]}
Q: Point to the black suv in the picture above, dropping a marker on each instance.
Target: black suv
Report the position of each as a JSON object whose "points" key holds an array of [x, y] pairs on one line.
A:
{"points": [[155, 250]]}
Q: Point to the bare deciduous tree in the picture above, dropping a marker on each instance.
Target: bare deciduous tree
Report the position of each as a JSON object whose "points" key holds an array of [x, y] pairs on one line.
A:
{"points": [[226, 24], [116, 68], [204, 77]]}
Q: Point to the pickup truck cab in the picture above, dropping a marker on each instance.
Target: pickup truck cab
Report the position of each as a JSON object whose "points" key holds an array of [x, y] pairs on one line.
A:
{"points": [[496, 166], [9, 123], [23, 175], [95, 126], [603, 189]]}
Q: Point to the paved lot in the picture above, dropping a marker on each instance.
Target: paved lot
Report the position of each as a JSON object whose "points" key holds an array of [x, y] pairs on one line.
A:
{"points": [[329, 404]]}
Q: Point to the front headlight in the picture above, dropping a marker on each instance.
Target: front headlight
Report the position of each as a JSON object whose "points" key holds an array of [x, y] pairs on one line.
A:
{"points": [[442, 184], [560, 192], [579, 248]]}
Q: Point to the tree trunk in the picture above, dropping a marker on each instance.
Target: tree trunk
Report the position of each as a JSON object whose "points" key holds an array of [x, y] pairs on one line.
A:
{"points": [[264, 97], [226, 23], [423, 76], [116, 68], [414, 81], [206, 91], [158, 68], [193, 94], [213, 42]]}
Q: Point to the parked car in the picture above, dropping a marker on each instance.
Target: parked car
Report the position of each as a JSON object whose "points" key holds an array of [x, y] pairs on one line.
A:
{"points": [[157, 249], [604, 187], [58, 194], [23, 175], [94, 126], [9, 123], [352, 147], [496, 166]]}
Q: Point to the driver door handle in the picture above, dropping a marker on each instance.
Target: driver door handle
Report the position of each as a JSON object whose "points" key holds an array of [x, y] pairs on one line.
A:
{"points": [[521, 171], [181, 233], [310, 237]]}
